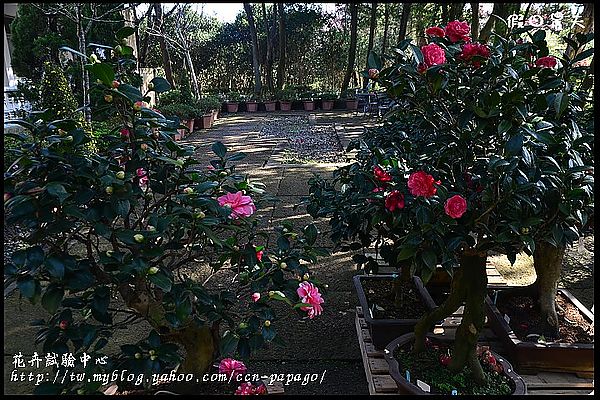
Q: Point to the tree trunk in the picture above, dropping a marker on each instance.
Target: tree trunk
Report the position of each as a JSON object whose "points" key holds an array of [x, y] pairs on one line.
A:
{"points": [[146, 39], [474, 21], [547, 261], [386, 23], [469, 285], [352, 50], [281, 65], [444, 13], [85, 77], [270, 40], [404, 21], [372, 27], [163, 45], [455, 11], [255, 55], [502, 10], [587, 20]]}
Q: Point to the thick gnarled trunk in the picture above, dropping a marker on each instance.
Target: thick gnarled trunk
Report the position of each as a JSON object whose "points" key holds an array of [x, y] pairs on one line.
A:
{"points": [[469, 285], [547, 261]]}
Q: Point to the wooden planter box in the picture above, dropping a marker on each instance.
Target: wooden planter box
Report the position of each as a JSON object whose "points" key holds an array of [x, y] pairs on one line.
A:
{"points": [[309, 105], [285, 105], [384, 331], [327, 105], [205, 121], [270, 106], [252, 106], [352, 104], [406, 387], [232, 107], [530, 357]]}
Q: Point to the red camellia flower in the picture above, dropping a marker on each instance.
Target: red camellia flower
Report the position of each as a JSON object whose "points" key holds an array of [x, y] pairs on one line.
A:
{"points": [[421, 68], [474, 49], [457, 31], [455, 206], [394, 201], [445, 359], [381, 175], [435, 31], [124, 133], [259, 255], [63, 324], [373, 73], [421, 183], [433, 55], [546, 62]]}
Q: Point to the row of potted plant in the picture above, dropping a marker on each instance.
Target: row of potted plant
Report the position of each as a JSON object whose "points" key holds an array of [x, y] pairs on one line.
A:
{"points": [[198, 114], [286, 97]]}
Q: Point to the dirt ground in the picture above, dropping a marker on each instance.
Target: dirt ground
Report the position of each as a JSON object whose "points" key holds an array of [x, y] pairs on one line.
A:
{"points": [[327, 343]]}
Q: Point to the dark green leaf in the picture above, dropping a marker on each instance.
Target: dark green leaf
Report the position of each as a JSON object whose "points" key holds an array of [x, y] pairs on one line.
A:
{"points": [[160, 84], [124, 32], [52, 298], [219, 149]]}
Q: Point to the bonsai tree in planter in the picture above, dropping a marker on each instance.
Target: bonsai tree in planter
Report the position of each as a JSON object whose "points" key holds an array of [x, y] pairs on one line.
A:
{"points": [[350, 97], [233, 100], [126, 222], [252, 102], [327, 100], [457, 161], [286, 96], [204, 113]]}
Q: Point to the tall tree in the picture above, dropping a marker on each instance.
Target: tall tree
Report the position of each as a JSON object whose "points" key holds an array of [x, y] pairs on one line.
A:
{"points": [[281, 64], [372, 27], [352, 51], [445, 17], [474, 21], [586, 25], [255, 62], [404, 21], [455, 11], [166, 57], [386, 24], [270, 28], [183, 30], [501, 10]]}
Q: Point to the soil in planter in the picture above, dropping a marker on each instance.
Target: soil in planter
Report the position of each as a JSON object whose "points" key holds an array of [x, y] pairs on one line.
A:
{"points": [[380, 298], [525, 320], [427, 367]]}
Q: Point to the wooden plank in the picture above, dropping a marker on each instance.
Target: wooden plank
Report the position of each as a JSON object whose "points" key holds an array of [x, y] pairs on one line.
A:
{"points": [[364, 356], [274, 388], [372, 352], [559, 391], [384, 384], [362, 323], [359, 312], [366, 335], [379, 366]]}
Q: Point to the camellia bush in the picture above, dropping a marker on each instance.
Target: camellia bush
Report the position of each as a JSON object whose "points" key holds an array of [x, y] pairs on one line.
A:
{"points": [[113, 238], [468, 163]]}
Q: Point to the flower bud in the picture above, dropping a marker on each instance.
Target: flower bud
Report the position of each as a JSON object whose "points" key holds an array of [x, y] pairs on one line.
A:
{"points": [[138, 355], [68, 138], [243, 325], [199, 215], [267, 323], [151, 352], [150, 86], [115, 84], [153, 358], [64, 324], [7, 196], [109, 190], [108, 98], [283, 265], [188, 190], [137, 106], [152, 270], [138, 237], [151, 228], [306, 277], [94, 58], [144, 146], [99, 81], [120, 174], [524, 230]]}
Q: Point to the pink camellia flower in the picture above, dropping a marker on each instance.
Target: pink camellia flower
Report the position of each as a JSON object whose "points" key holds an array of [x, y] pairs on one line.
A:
{"points": [[309, 294], [445, 359], [255, 297], [245, 388], [259, 255], [231, 367], [546, 62], [394, 201], [241, 206], [455, 206], [373, 73], [124, 133], [474, 49], [457, 31], [7, 196], [435, 31], [143, 175], [260, 389], [210, 168], [433, 55], [381, 175], [421, 183]]}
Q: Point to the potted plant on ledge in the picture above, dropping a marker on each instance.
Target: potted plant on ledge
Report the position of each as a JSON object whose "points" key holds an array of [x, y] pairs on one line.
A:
{"points": [[327, 101], [269, 101], [308, 101], [350, 97], [252, 102], [286, 97], [233, 101]]}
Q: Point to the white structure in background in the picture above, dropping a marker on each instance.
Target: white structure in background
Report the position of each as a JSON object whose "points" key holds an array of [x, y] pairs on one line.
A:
{"points": [[12, 104]]}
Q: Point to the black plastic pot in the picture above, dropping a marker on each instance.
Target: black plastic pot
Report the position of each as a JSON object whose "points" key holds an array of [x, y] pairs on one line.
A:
{"points": [[385, 330], [406, 387]]}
